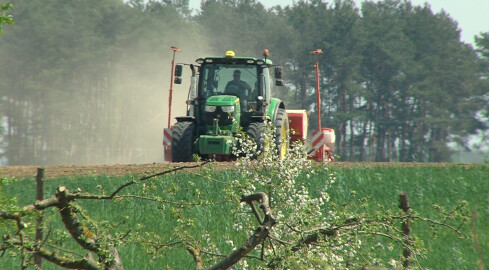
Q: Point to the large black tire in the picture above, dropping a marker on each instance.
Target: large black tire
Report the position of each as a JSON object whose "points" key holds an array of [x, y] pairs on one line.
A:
{"points": [[282, 132], [255, 133], [182, 141]]}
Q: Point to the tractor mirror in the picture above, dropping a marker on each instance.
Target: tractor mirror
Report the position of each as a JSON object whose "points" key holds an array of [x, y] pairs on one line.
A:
{"points": [[178, 70], [279, 73], [279, 82], [178, 80]]}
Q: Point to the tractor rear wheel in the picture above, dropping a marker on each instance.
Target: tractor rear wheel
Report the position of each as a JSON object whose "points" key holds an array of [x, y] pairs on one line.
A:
{"points": [[182, 140], [282, 132], [255, 132]]}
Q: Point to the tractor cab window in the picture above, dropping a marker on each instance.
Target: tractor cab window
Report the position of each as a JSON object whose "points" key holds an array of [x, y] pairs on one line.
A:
{"points": [[237, 80]]}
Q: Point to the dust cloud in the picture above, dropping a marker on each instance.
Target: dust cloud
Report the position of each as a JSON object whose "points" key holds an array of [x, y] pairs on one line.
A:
{"points": [[140, 102], [118, 117]]}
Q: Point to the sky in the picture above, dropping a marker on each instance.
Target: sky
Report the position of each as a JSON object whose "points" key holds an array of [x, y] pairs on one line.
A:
{"points": [[471, 15]]}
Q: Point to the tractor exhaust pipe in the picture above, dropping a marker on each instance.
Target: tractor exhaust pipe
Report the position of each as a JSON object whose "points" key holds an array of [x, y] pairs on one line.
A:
{"points": [[174, 49], [192, 95]]}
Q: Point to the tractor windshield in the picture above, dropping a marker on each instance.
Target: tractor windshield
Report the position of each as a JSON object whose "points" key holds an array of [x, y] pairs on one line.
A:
{"points": [[225, 79]]}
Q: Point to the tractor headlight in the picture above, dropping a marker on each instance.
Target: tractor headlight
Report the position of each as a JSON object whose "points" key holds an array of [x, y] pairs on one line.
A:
{"points": [[227, 109], [210, 108]]}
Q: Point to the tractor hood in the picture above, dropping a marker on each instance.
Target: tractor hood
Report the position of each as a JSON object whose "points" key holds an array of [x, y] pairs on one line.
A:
{"points": [[226, 109], [222, 100]]}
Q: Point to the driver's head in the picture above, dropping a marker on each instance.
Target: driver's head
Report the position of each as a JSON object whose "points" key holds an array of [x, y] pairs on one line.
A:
{"points": [[236, 75]]}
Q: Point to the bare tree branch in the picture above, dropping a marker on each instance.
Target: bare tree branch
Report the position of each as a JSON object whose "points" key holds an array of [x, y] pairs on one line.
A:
{"points": [[197, 257], [82, 235], [55, 258], [256, 238], [108, 256], [54, 202]]}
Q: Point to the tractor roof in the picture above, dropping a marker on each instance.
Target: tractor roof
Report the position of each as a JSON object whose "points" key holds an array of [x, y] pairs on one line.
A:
{"points": [[231, 59]]}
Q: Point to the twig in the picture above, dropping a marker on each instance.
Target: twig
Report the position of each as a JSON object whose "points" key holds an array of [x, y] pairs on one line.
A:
{"points": [[157, 200], [85, 196]]}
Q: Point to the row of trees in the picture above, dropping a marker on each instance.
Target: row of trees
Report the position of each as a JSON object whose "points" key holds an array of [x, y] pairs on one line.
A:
{"points": [[397, 83], [85, 82]]}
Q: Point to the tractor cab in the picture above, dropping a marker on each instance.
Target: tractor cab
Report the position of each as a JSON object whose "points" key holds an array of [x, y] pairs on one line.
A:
{"points": [[245, 78], [221, 83]]}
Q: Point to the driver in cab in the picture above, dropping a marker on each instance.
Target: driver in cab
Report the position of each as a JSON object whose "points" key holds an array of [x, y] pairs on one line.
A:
{"points": [[236, 86]]}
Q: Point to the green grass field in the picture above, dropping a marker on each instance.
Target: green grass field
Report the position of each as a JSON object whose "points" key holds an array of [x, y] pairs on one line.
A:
{"points": [[425, 185]]}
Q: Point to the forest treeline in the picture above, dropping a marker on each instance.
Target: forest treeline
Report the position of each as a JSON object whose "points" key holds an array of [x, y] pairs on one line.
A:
{"points": [[87, 81]]}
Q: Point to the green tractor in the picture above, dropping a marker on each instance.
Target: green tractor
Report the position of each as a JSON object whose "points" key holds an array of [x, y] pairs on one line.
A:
{"points": [[228, 95]]}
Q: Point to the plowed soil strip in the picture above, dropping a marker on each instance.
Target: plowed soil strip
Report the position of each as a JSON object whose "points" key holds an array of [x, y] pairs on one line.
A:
{"points": [[125, 169]]}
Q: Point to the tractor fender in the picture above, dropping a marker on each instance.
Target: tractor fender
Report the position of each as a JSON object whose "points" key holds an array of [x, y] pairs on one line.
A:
{"points": [[273, 107]]}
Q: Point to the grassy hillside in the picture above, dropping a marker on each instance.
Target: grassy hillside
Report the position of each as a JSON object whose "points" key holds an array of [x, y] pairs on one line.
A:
{"points": [[380, 185]]}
